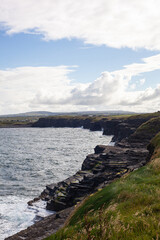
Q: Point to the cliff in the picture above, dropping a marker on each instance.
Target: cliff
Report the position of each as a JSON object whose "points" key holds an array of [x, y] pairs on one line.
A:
{"points": [[119, 126], [132, 136], [106, 164]]}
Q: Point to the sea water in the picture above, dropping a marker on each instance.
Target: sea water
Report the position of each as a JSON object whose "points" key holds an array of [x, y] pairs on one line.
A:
{"points": [[31, 158]]}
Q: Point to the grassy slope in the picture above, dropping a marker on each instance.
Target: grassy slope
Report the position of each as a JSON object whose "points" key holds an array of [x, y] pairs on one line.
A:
{"points": [[145, 115], [149, 127], [126, 209]]}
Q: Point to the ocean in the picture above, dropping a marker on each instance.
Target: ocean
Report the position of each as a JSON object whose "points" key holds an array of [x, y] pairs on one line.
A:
{"points": [[30, 159]]}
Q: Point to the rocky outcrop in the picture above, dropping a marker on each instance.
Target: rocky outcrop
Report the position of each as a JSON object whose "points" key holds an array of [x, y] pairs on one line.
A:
{"points": [[98, 169], [63, 122]]}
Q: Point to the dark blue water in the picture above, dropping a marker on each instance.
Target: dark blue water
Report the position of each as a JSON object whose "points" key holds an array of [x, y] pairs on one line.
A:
{"points": [[31, 158]]}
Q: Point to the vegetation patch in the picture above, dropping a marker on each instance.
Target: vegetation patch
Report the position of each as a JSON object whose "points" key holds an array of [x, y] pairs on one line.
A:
{"points": [[145, 115], [156, 142], [150, 127], [17, 121]]}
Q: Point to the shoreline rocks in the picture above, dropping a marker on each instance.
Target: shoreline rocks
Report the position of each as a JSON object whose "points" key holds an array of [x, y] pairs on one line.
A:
{"points": [[99, 169], [43, 228], [105, 165]]}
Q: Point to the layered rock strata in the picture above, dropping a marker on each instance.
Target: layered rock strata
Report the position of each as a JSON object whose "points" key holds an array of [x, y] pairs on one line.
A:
{"points": [[98, 170]]}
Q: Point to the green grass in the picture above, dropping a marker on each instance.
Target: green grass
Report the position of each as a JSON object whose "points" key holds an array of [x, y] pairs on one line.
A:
{"points": [[156, 141], [127, 209], [151, 126], [146, 115], [16, 121], [147, 130]]}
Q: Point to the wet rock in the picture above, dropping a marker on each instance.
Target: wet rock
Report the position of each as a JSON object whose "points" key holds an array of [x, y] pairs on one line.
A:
{"points": [[44, 228], [30, 203], [99, 149]]}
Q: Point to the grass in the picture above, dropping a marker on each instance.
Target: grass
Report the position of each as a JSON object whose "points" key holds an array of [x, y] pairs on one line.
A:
{"points": [[156, 142], [151, 126], [127, 209], [147, 130], [16, 121], [146, 115]]}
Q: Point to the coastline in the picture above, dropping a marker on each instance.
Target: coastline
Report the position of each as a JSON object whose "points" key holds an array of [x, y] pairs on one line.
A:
{"points": [[128, 150]]}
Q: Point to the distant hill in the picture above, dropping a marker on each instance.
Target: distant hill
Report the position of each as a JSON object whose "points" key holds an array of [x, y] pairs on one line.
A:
{"points": [[30, 114], [46, 113]]}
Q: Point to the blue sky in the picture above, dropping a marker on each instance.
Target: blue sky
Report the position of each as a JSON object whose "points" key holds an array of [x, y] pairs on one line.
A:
{"points": [[66, 56], [30, 50]]}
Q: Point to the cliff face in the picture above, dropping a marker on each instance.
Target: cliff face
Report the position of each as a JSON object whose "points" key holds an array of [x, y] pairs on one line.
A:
{"points": [[98, 170], [120, 128], [106, 164]]}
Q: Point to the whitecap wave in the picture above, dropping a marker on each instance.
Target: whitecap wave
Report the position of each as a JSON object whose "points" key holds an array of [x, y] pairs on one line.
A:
{"points": [[16, 215]]}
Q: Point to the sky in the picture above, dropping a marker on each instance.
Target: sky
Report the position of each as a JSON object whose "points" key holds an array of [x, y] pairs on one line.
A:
{"points": [[67, 55]]}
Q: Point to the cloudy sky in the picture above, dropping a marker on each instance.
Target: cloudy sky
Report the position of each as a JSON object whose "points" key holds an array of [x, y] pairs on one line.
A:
{"points": [[67, 55]]}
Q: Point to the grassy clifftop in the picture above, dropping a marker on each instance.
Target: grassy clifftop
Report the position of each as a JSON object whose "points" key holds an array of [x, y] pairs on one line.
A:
{"points": [[17, 121], [149, 127], [129, 208]]}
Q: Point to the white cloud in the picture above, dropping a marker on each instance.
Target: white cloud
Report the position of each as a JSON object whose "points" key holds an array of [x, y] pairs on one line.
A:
{"points": [[142, 81], [111, 88], [146, 101], [148, 64], [21, 88], [133, 86], [50, 88], [116, 23]]}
